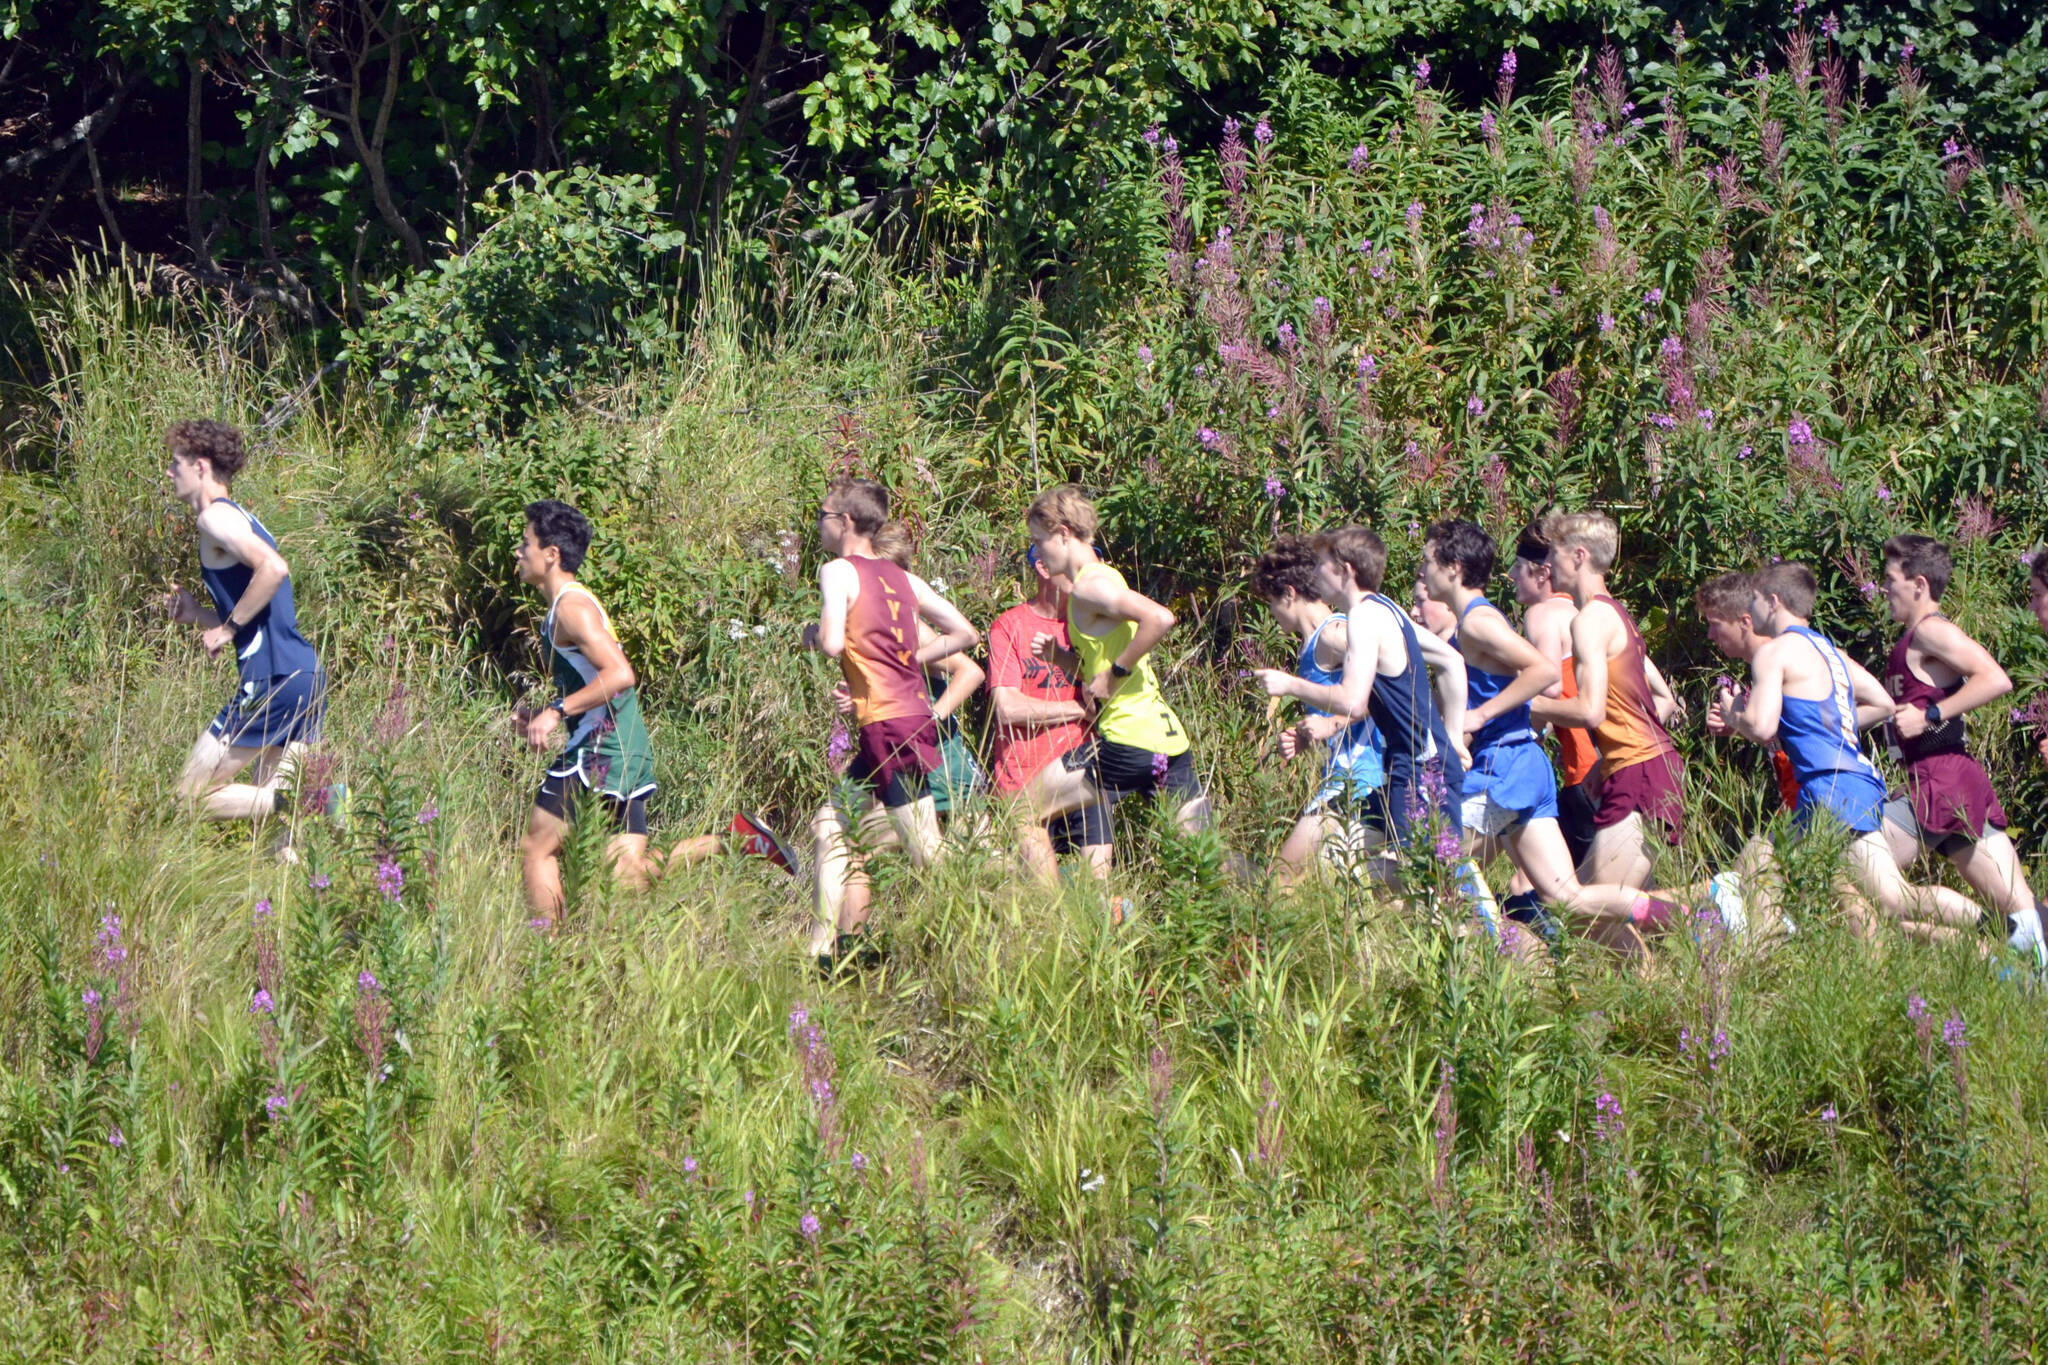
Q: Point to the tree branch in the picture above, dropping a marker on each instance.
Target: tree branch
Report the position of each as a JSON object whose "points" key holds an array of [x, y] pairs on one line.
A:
{"points": [[89, 126]]}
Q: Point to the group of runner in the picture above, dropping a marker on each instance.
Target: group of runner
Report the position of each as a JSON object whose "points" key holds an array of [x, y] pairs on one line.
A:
{"points": [[1424, 719]]}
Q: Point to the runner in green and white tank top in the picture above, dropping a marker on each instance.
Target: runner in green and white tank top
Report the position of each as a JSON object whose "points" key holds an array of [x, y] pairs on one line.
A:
{"points": [[607, 748]]}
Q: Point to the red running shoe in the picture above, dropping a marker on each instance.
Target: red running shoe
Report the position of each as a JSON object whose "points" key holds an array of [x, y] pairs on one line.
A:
{"points": [[753, 836]]}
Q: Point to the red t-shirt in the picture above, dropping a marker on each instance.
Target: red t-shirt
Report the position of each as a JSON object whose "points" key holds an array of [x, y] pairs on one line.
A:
{"points": [[1020, 753]]}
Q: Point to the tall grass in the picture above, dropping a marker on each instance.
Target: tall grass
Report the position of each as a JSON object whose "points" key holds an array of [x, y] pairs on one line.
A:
{"points": [[1241, 1127]]}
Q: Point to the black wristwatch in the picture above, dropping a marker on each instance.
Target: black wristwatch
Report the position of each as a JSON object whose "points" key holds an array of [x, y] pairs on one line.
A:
{"points": [[1933, 713], [558, 704], [1118, 670]]}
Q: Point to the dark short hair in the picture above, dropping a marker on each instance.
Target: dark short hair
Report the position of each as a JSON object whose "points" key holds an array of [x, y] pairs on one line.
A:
{"points": [[558, 524], [1359, 550], [1922, 557], [863, 502], [1465, 544], [1791, 583], [1531, 545], [1725, 596], [2040, 573], [1289, 562], [217, 443]]}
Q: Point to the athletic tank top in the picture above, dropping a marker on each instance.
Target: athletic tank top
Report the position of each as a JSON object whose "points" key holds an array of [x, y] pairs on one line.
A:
{"points": [[1137, 713], [269, 644], [1819, 735], [1575, 748], [880, 658], [574, 670], [1510, 726], [1354, 751], [1945, 737], [1404, 709], [1631, 733]]}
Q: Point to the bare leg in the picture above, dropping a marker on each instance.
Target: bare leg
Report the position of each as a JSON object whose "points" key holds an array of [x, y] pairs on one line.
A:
{"points": [[835, 864], [1992, 867], [1620, 855], [1053, 791], [631, 866], [540, 863], [695, 850], [1875, 872], [207, 782], [1193, 816], [1296, 859]]}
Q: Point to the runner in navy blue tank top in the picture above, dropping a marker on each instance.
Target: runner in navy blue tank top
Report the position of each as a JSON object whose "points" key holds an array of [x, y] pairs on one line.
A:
{"points": [[280, 696]]}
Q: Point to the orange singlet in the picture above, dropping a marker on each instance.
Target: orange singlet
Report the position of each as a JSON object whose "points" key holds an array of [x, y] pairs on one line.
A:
{"points": [[1574, 746]]}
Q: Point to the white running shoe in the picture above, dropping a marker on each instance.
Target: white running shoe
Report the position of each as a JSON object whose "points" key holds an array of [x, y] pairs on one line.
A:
{"points": [[1724, 889], [2026, 939]]}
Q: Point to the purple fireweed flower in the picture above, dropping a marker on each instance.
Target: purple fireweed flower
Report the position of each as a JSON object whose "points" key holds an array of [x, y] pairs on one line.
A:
{"points": [[1906, 52], [390, 879], [1145, 355], [1507, 64], [1209, 437], [111, 950], [90, 998], [839, 744], [540, 924], [1606, 323], [429, 815], [1160, 764], [748, 1197], [1447, 845], [1744, 453], [1671, 348], [319, 881], [1475, 405], [1367, 366], [1360, 158], [1916, 1008], [275, 1104], [1663, 420], [1286, 336], [1152, 136], [1654, 297], [261, 912], [261, 1003], [1275, 489], [1869, 589], [1828, 1115], [1414, 215], [1488, 129], [365, 981], [1831, 26], [799, 1019], [860, 1163], [809, 1226], [1272, 413], [1706, 416], [1262, 132], [115, 1139], [1953, 1033], [1422, 72], [689, 1165], [1883, 494], [1607, 1121], [1798, 432]]}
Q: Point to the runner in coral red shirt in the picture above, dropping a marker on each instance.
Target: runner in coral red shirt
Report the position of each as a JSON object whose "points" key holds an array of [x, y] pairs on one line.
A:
{"points": [[1041, 716]]}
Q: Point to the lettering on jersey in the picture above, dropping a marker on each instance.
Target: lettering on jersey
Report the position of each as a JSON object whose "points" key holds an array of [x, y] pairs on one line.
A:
{"points": [[895, 608]]}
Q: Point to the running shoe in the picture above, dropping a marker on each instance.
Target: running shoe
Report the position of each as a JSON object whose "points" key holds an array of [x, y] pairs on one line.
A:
{"points": [[1724, 889], [756, 838]]}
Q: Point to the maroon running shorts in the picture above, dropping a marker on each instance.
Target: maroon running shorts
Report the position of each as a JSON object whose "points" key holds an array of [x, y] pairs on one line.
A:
{"points": [[1951, 794], [894, 756], [1655, 788]]}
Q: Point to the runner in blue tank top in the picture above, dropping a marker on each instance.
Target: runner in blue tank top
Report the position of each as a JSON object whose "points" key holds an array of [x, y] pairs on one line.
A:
{"points": [[280, 696], [1804, 693], [1288, 580]]}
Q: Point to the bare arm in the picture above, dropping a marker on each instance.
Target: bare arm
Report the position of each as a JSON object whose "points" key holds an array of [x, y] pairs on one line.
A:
{"points": [[233, 532], [1665, 703], [1756, 717], [1016, 711], [953, 632], [1447, 671], [1533, 672], [963, 676], [838, 582], [1874, 705], [1100, 594], [1592, 633], [1983, 680], [1551, 637], [580, 625]]}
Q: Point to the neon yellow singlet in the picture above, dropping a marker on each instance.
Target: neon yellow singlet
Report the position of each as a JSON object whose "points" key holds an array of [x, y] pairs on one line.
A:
{"points": [[1137, 713]]}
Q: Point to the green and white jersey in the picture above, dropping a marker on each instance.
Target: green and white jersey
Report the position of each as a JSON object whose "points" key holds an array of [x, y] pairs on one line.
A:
{"points": [[607, 747]]}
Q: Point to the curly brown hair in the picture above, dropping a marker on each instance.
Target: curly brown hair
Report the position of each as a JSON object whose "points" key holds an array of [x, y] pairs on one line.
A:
{"points": [[217, 443]]}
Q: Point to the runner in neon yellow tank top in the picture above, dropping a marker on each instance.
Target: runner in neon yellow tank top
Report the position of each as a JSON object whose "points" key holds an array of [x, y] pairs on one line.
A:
{"points": [[1140, 747]]}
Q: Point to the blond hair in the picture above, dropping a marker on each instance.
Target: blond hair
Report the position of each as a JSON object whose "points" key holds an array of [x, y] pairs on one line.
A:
{"points": [[1065, 506], [1594, 532], [892, 542]]}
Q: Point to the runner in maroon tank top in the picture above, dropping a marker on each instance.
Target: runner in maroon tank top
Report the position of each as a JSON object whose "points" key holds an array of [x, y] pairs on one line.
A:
{"points": [[868, 622], [1946, 804]]}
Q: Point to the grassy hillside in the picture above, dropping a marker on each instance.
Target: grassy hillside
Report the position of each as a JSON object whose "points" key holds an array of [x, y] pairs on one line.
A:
{"points": [[356, 1107]]}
